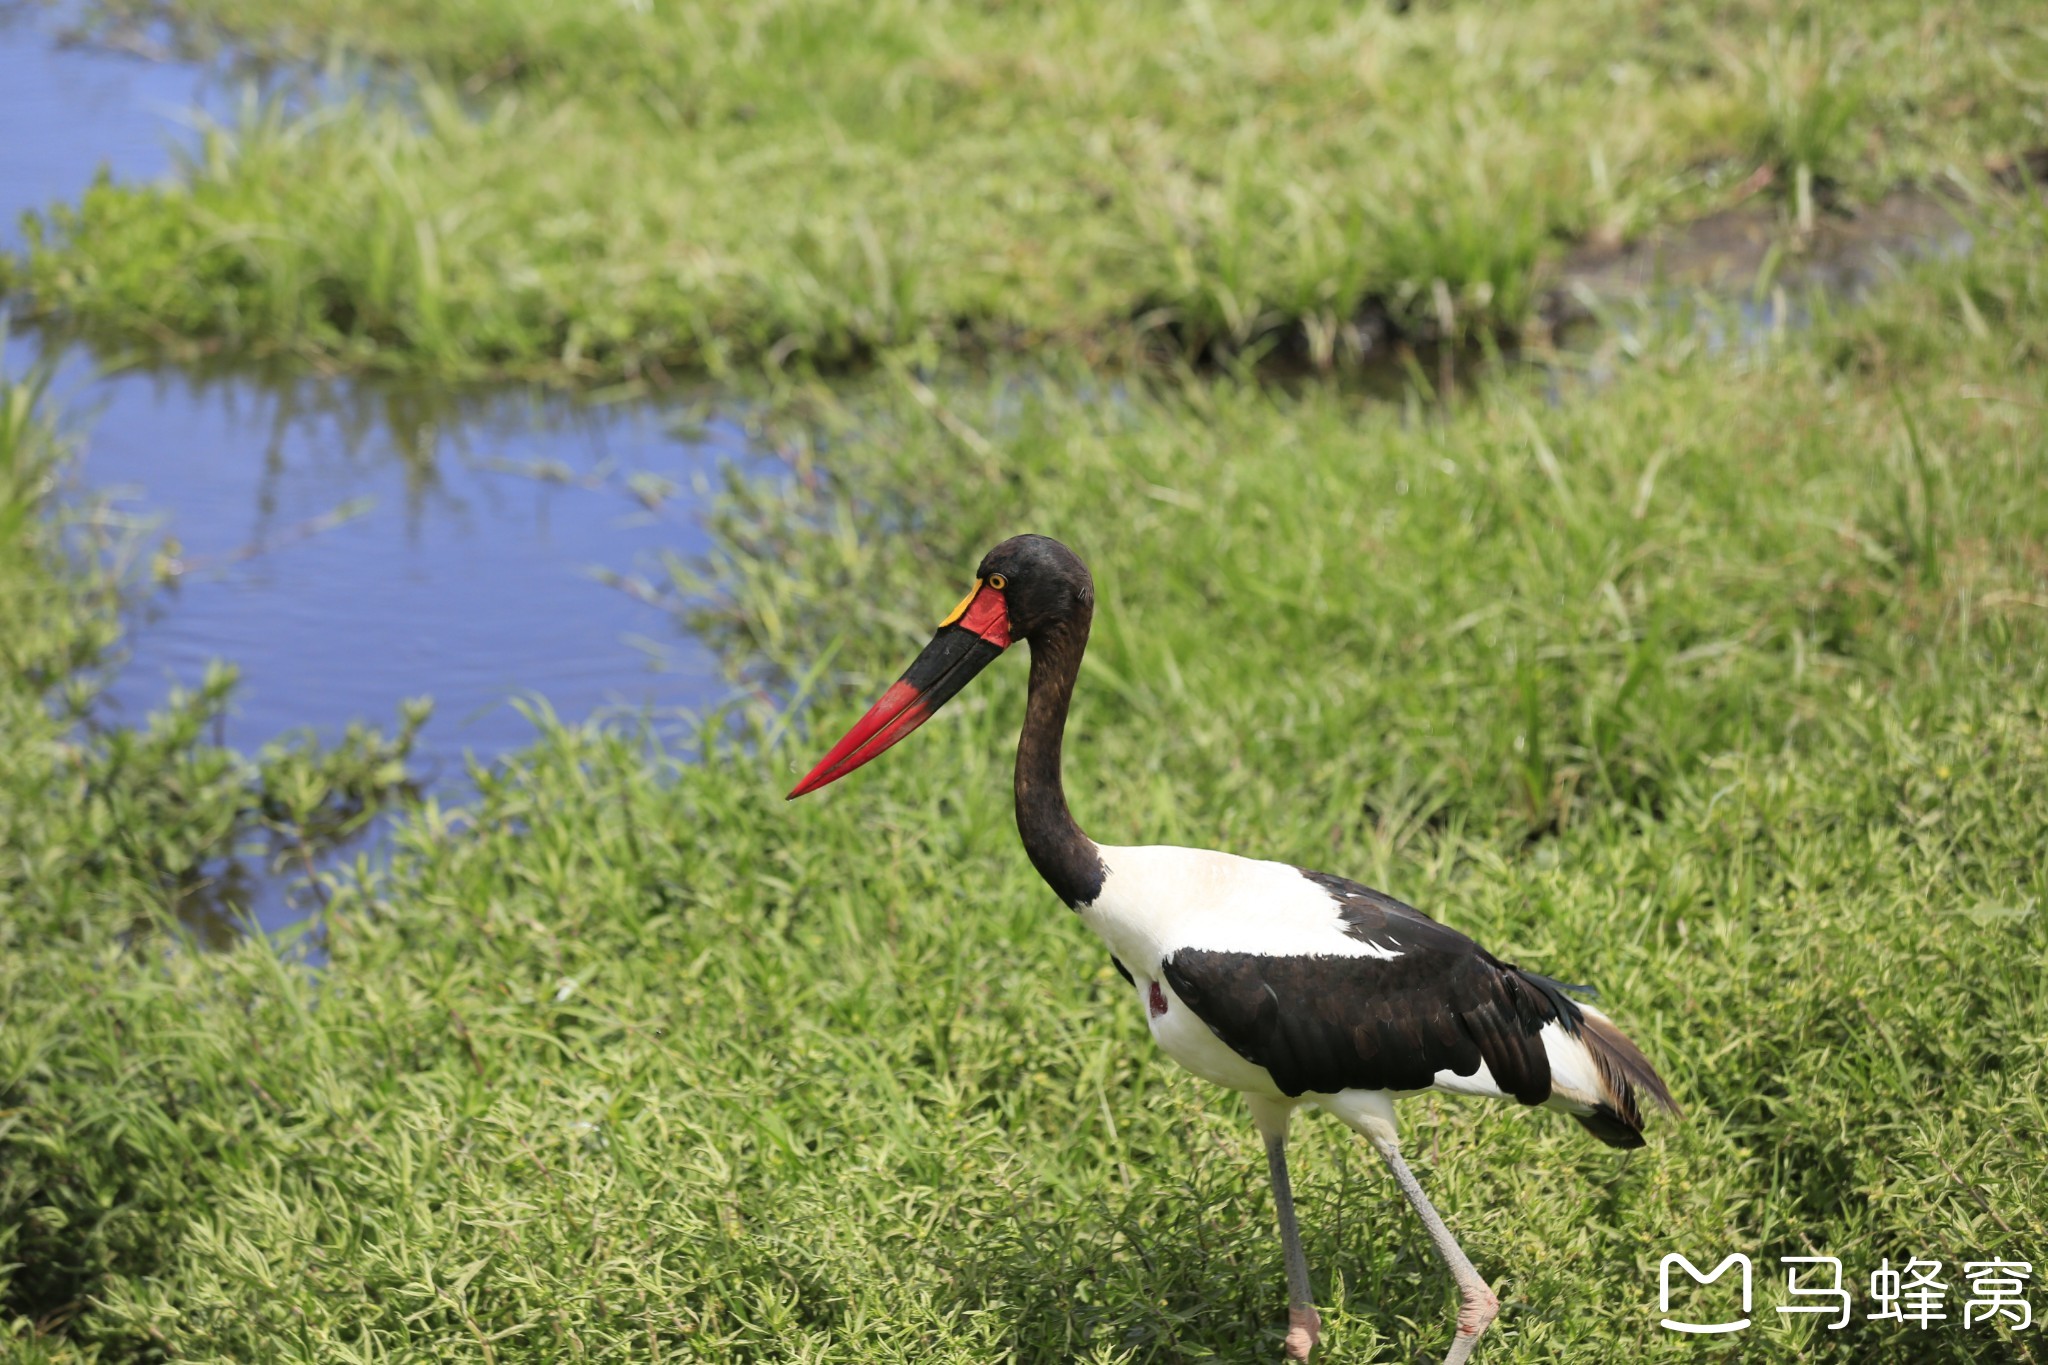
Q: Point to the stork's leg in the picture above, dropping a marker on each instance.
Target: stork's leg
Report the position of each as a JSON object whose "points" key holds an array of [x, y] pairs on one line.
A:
{"points": [[1304, 1328], [1477, 1303]]}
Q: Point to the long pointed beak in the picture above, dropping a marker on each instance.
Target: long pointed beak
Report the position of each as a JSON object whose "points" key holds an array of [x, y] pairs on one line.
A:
{"points": [[967, 642]]}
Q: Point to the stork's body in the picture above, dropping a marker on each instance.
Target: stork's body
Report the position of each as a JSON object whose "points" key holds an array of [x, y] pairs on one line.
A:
{"points": [[1281, 983], [1291, 986]]}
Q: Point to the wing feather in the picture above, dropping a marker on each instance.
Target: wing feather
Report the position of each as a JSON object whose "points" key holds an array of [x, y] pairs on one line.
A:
{"points": [[1329, 1023]]}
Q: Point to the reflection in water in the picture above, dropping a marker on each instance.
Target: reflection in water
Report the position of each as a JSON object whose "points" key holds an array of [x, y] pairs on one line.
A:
{"points": [[348, 544]]}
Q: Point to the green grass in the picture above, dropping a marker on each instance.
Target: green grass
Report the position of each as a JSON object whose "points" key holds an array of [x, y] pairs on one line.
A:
{"points": [[1720, 686], [611, 191]]}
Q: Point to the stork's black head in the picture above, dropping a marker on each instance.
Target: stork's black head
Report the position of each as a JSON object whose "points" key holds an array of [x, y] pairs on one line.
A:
{"points": [[1043, 583], [1025, 588]]}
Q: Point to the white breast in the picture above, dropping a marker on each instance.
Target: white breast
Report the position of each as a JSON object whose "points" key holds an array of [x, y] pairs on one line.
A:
{"points": [[1189, 1041]]}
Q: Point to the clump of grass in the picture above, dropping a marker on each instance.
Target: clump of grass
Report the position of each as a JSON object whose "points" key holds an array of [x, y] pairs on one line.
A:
{"points": [[627, 1057], [628, 192], [1811, 100]]}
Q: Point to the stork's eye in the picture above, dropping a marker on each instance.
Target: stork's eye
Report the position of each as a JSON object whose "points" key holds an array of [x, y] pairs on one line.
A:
{"points": [[998, 582]]}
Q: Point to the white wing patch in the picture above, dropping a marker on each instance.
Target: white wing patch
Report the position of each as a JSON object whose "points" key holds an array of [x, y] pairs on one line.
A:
{"points": [[1479, 1083], [1574, 1076], [1158, 899]]}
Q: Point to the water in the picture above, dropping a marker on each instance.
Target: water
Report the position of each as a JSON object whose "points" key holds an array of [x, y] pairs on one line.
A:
{"points": [[347, 544]]}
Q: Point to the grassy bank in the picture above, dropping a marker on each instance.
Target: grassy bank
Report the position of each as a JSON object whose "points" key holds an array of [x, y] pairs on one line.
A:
{"points": [[1719, 687], [624, 191]]}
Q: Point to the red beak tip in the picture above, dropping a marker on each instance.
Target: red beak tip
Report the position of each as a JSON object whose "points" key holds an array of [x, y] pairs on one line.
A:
{"points": [[812, 781]]}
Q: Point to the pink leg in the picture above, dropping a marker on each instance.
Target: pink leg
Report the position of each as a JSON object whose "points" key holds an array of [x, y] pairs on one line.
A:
{"points": [[1477, 1302], [1304, 1327]]}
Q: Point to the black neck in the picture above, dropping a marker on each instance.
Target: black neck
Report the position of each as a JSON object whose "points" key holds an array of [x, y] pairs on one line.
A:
{"points": [[1063, 855]]}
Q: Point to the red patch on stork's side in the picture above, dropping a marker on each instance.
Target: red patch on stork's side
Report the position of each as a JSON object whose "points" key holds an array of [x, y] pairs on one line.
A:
{"points": [[1155, 1003]]}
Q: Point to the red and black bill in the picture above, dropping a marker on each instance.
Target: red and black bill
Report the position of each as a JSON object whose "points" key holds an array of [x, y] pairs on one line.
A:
{"points": [[967, 641]]}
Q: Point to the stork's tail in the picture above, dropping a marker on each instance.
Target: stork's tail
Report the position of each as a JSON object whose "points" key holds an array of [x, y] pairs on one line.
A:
{"points": [[1622, 1071], [1595, 1071]]}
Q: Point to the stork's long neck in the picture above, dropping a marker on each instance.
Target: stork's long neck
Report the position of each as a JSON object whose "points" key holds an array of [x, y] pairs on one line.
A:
{"points": [[1063, 855]]}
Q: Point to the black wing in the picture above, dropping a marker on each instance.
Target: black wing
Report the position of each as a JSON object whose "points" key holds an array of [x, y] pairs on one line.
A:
{"points": [[1339, 1023]]}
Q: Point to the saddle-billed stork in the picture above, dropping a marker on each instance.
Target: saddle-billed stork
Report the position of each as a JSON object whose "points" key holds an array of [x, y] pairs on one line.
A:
{"points": [[1293, 987]]}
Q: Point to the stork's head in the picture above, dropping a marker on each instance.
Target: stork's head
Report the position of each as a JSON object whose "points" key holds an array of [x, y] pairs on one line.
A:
{"points": [[1025, 589]]}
